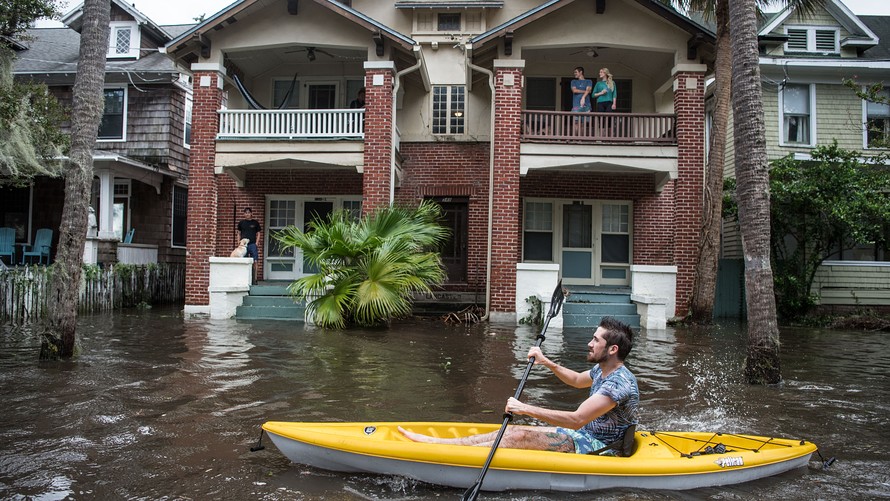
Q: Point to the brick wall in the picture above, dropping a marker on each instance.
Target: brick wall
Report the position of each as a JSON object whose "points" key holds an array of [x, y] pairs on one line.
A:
{"points": [[689, 106], [455, 170], [378, 139], [505, 224], [203, 185]]}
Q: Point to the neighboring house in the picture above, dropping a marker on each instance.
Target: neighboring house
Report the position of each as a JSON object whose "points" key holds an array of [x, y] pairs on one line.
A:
{"points": [[803, 62], [140, 163], [468, 104]]}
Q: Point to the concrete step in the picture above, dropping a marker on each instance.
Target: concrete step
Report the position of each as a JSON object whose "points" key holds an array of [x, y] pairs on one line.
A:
{"points": [[269, 301], [273, 289], [600, 308], [293, 313], [598, 297], [592, 320]]}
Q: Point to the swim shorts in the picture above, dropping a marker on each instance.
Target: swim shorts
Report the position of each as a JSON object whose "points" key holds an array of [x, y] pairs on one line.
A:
{"points": [[584, 441]]}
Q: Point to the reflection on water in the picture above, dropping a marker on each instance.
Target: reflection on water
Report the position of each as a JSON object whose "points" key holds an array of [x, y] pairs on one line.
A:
{"points": [[159, 407]]}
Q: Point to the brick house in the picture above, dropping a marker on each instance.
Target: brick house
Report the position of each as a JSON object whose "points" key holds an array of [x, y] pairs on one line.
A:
{"points": [[140, 190], [468, 104]]}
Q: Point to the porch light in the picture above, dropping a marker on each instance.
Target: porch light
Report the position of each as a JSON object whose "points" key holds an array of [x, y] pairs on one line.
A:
{"points": [[458, 114]]}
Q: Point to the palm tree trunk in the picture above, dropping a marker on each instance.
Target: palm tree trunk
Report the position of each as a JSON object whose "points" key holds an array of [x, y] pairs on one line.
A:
{"points": [[752, 171], [87, 111], [704, 289]]}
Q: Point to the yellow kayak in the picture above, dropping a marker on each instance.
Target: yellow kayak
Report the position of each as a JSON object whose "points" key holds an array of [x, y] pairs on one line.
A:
{"points": [[661, 460]]}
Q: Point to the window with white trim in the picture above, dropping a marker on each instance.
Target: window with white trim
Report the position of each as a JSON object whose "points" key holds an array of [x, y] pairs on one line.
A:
{"points": [[180, 216], [113, 125], [537, 232], [812, 39], [877, 122], [187, 129], [449, 109], [797, 116], [123, 39]]}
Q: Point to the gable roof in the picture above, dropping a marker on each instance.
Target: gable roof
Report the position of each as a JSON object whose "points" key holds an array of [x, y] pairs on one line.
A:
{"points": [[53, 53], [228, 13], [880, 26], [545, 8], [861, 35], [74, 19]]}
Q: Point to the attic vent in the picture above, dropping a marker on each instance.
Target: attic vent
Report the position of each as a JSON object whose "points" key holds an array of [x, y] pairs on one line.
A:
{"points": [[826, 41], [797, 40]]}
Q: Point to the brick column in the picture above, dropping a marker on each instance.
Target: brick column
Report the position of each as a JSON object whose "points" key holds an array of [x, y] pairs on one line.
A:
{"points": [[202, 210], [505, 219], [376, 180], [689, 106]]}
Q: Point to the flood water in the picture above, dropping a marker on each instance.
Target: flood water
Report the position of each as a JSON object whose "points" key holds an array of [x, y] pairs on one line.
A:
{"points": [[161, 407]]}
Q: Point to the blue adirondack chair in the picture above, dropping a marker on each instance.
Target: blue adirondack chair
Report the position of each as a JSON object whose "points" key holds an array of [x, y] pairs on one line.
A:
{"points": [[7, 244], [43, 240]]}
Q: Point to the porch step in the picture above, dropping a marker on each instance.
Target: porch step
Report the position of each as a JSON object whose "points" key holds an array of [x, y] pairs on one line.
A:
{"points": [[586, 307], [270, 302]]}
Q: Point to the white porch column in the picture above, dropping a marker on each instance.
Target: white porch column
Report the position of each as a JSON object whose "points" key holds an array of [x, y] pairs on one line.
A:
{"points": [[106, 204]]}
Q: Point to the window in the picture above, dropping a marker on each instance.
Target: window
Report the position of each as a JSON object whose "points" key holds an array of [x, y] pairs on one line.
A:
{"points": [[354, 207], [280, 89], [114, 117], [877, 122], [796, 114], [180, 216], [123, 40], [187, 131], [616, 233], [625, 90], [448, 109], [537, 234], [540, 93], [120, 218], [448, 22], [809, 39]]}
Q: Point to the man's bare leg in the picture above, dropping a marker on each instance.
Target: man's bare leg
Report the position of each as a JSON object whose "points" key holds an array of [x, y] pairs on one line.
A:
{"points": [[515, 437]]}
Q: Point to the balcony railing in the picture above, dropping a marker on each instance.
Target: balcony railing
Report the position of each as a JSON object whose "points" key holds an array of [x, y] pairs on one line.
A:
{"points": [[291, 124], [561, 126]]}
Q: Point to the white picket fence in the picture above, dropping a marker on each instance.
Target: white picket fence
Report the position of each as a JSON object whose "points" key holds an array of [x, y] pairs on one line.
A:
{"points": [[24, 290]]}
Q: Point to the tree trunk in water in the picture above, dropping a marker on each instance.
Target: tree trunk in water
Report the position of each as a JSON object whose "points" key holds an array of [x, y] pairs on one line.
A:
{"points": [[705, 287], [752, 172], [87, 111]]}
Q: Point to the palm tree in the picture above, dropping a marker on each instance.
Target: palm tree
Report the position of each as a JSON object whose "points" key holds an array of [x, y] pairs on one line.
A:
{"points": [[762, 364], [367, 270], [704, 288], [86, 114]]}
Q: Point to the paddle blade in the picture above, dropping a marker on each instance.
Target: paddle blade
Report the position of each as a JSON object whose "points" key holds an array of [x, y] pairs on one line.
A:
{"points": [[559, 295], [472, 492]]}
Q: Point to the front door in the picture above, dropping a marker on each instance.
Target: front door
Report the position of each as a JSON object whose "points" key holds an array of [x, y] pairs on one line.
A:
{"points": [[454, 250], [577, 242], [284, 211]]}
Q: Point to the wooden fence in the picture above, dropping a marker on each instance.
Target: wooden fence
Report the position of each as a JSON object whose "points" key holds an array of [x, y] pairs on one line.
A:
{"points": [[24, 290]]}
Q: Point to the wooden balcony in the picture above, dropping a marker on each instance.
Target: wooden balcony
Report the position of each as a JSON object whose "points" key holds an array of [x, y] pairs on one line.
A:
{"points": [[291, 124], [591, 128]]}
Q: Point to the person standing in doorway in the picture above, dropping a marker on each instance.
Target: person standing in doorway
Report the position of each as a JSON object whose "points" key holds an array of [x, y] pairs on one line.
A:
{"points": [[249, 229], [359, 101]]}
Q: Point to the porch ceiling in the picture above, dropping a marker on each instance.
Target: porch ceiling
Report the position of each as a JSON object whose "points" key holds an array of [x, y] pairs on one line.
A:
{"points": [[621, 61], [261, 60], [660, 160], [236, 158]]}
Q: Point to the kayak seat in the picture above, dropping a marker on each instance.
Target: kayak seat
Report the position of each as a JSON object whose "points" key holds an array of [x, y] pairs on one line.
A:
{"points": [[623, 447]]}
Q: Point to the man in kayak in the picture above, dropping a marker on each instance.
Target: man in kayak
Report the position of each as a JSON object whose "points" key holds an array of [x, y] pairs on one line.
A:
{"points": [[600, 420]]}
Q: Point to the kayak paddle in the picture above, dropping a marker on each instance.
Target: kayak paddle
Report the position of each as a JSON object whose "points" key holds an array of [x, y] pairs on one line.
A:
{"points": [[555, 306]]}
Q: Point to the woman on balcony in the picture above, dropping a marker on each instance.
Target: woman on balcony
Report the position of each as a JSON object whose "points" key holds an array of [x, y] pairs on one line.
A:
{"points": [[606, 97]]}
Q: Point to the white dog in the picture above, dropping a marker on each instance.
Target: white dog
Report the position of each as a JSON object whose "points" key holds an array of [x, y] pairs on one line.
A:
{"points": [[241, 250]]}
